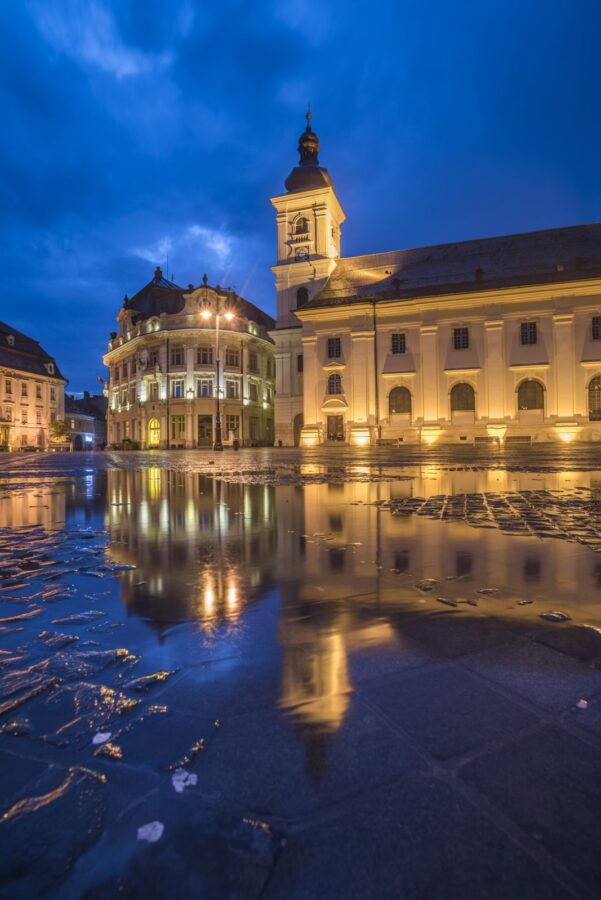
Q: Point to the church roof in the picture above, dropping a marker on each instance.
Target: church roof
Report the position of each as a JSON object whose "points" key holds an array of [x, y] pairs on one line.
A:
{"points": [[535, 257], [163, 296], [24, 354]]}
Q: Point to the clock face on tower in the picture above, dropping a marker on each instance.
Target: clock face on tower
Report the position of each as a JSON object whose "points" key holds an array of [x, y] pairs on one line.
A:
{"points": [[301, 253]]}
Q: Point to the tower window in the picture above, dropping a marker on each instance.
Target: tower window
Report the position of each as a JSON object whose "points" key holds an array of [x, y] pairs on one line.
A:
{"points": [[398, 343], [461, 338], [302, 296], [334, 383], [334, 349], [528, 333], [301, 226]]}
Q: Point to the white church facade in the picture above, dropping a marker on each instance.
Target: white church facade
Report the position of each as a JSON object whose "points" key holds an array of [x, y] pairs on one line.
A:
{"points": [[497, 339]]}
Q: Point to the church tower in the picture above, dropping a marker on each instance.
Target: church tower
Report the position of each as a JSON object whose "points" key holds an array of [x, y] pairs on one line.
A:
{"points": [[308, 217]]}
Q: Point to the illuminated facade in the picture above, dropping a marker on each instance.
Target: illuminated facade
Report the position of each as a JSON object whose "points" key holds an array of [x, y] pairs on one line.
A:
{"points": [[171, 359], [32, 392], [488, 340]]}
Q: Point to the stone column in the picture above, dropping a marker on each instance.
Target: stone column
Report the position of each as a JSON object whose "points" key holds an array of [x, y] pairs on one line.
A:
{"points": [[312, 429], [495, 369], [430, 373], [563, 364]]}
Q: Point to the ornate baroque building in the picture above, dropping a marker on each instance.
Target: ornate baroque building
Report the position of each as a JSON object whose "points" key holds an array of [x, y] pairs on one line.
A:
{"points": [[32, 392], [496, 339], [171, 360]]}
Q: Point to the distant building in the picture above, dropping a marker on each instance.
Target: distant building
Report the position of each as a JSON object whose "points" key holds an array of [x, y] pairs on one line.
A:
{"points": [[32, 392], [497, 339], [86, 418], [169, 364]]}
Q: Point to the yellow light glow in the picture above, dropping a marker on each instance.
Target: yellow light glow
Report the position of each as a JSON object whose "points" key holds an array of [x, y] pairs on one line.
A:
{"points": [[430, 439], [567, 436], [229, 316], [206, 314], [308, 441]]}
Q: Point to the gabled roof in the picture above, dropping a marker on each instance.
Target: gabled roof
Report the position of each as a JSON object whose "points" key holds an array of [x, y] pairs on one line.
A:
{"points": [[535, 257], [24, 354]]}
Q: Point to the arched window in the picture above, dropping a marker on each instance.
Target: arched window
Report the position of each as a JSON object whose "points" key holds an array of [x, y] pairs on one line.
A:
{"points": [[531, 395], [334, 383], [154, 433], [302, 296], [399, 401], [594, 398], [463, 398], [301, 226]]}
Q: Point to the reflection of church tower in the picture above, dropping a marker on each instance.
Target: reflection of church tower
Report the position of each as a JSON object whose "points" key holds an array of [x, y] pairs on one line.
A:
{"points": [[308, 219]]}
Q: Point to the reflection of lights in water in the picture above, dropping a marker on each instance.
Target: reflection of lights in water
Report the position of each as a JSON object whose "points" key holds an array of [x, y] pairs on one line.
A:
{"points": [[164, 515], [315, 681], [154, 483], [266, 504], [208, 601], [222, 515], [309, 469], [144, 517]]}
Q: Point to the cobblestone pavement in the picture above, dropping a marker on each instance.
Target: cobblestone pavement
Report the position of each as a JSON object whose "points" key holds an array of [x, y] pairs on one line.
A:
{"points": [[299, 675]]}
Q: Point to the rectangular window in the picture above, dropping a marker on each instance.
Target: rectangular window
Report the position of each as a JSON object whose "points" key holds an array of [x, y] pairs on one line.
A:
{"points": [[177, 389], [124, 371], [253, 391], [204, 356], [23, 388], [269, 394], [124, 397], [8, 414], [398, 343], [232, 357], [38, 418], [153, 358], [38, 392], [24, 416], [334, 350], [204, 387], [178, 428], [177, 356], [154, 390], [8, 387], [232, 425], [253, 364], [52, 395], [132, 394], [596, 328], [461, 338], [299, 363], [528, 333], [232, 389], [40, 440]]}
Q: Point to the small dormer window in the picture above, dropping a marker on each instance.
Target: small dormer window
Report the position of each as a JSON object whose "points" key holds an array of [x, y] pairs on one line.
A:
{"points": [[10, 340], [50, 368]]}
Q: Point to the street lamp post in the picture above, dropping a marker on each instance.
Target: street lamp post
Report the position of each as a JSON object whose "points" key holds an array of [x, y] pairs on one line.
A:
{"points": [[206, 314]]}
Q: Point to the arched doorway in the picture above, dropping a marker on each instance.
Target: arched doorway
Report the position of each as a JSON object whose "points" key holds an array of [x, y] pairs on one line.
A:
{"points": [[154, 433], [298, 423], [399, 402], [594, 399], [531, 401], [463, 404]]}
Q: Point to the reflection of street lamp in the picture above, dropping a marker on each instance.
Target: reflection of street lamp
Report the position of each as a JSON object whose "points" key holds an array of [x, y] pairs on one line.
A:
{"points": [[228, 316]]}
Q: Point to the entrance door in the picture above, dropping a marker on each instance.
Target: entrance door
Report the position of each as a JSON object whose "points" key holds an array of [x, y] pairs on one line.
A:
{"points": [[205, 431], [335, 428], [154, 433]]}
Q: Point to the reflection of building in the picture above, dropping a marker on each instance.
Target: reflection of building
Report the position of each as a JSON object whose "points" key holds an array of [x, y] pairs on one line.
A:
{"points": [[167, 369], [32, 392], [86, 418], [201, 549], [492, 339]]}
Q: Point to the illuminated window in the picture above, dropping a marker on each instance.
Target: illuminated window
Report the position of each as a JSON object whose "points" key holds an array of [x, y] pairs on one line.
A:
{"points": [[528, 333], [334, 348], [154, 433], [398, 343], [531, 395], [461, 338], [204, 356], [399, 400], [334, 383], [177, 388], [232, 388], [204, 387], [463, 398]]}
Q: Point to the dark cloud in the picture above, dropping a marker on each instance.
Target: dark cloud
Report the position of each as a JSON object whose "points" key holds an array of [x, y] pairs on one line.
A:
{"points": [[141, 129]]}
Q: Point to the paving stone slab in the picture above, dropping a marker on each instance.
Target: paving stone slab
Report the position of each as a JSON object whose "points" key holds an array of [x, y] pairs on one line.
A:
{"points": [[414, 840], [549, 784], [545, 677], [457, 633], [447, 711]]}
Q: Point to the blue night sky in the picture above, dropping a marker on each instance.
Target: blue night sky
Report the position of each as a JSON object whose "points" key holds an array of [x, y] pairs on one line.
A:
{"points": [[137, 129]]}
